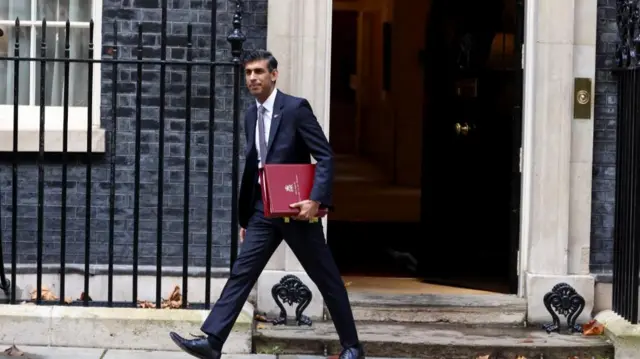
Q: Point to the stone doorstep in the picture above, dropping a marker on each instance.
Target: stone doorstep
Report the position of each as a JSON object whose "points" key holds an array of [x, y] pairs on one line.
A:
{"points": [[112, 328], [438, 340], [37, 352], [481, 309], [624, 335]]}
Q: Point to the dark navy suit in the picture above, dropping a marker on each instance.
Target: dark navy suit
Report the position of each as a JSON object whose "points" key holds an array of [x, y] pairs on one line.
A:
{"points": [[294, 136]]}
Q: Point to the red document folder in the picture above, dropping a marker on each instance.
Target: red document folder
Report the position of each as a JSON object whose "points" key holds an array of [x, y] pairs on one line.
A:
{"points": [[285, 184]]}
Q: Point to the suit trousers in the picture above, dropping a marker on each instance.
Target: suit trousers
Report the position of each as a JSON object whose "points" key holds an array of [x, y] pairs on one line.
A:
{"points": [[262, 238]]}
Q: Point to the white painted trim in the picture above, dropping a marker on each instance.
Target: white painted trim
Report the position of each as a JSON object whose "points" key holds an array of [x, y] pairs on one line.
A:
{"points": [[33, 52], [327, 89], [29, 126], [327, 74], [29, 116], [527, 141], [97, 69]]}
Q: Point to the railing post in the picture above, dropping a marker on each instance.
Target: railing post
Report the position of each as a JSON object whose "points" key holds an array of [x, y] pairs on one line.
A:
{"points": [[112, 160], [160, 214], [212, 127], [187, 169], [14, 178], [41, 139], [65, 162], [136, 170], [88, 184], [626, 244], [237, 39]]}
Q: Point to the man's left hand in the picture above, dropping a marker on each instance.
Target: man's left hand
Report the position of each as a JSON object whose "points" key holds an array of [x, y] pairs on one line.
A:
{"points": [[308, 209]]}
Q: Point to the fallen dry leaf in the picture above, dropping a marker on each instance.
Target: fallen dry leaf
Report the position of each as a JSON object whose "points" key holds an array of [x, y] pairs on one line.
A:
{"points": [[145, 304], [347, 284], [45, 294], [592, 328], [175, 295], [521, 357], [260, 326], [173, 302], [68, 300], [82, 295], [483, 357], [13, 351]]}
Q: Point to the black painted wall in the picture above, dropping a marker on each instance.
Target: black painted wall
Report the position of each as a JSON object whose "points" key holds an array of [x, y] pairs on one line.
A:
{"points": [[128, 14], [604, 151]]}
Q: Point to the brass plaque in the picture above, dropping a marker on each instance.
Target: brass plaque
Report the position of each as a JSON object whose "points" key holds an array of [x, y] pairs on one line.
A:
{"points": [[582, 98]]}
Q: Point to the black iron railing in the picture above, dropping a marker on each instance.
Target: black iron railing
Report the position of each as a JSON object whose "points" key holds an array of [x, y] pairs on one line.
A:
{"points": [[236, 39], [626, 246]]}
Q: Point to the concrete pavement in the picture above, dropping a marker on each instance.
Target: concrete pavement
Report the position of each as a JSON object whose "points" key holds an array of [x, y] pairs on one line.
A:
{"points": [[35, 352]]}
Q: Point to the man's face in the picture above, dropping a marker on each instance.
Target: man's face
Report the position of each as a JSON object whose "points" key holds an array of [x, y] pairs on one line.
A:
{"points": [[259, 80]]}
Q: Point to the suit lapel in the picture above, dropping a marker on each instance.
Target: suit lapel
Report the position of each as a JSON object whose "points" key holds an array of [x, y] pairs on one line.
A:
{"points": [[251, 126], [276, 118]]}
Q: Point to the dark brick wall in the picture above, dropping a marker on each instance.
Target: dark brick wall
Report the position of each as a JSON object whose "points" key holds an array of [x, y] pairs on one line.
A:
{"points": [[604, 140], [127, 14]]}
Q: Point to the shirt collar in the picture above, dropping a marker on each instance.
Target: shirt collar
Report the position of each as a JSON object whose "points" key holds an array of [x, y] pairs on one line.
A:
{"points": [[269, 102]]}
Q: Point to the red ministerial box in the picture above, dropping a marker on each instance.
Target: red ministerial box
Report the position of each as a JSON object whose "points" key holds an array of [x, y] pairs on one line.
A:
{"points": [[285, 184]]}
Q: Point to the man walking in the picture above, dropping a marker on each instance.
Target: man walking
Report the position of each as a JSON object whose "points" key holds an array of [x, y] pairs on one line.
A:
{"points": [[279, 128]]}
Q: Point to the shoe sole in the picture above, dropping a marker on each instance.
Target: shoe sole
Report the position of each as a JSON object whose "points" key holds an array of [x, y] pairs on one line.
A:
{"points": [[185, 349]]}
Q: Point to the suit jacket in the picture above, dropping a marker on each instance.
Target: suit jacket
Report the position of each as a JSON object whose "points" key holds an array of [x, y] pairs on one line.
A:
{"points": [[295, 135]]}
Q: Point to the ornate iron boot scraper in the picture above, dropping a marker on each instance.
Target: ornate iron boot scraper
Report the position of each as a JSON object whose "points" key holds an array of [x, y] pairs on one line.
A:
{"points": [[566, 301]]}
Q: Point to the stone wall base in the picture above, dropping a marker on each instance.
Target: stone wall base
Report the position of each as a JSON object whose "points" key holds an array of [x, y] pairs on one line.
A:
{"points": [[266, 303], [538, 285], [26, 281], [112, 328]]}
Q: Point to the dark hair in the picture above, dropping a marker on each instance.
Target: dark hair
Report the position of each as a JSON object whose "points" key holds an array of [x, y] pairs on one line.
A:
{"points": [[256, 55]]}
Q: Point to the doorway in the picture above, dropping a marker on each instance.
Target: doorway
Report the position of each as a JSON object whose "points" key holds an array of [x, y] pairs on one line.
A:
{"points": [[427, 133]]}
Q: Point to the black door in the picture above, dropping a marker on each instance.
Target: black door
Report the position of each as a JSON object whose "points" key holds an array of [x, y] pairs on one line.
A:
{"points": [[470, 180]]}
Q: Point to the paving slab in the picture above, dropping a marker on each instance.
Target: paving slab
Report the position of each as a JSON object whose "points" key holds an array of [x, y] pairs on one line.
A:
{"points": [[144, 354], [38, 352], [43, 352], [321, 357]]}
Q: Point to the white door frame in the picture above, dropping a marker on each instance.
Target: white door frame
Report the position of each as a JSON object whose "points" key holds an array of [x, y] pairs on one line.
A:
{"points": [[528, 58], [300, 32]]}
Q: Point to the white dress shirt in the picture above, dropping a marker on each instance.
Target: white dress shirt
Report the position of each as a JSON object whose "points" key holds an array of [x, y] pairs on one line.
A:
{"points": [[268, 114]]}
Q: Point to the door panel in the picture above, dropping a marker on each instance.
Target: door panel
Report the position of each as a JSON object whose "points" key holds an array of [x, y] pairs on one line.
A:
{"points": [[344, 57], [471, 92]]}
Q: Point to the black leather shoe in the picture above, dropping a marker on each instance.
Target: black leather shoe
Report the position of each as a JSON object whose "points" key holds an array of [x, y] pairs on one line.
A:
{"points": [[199, 348], [352, 353]]}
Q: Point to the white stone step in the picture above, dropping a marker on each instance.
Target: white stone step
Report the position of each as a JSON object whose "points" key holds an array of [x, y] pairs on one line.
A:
{"points": [[483, 309], [432, 341]]}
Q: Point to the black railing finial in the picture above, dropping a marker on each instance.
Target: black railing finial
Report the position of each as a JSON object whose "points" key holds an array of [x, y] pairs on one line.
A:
{"points": [[236, 38]]}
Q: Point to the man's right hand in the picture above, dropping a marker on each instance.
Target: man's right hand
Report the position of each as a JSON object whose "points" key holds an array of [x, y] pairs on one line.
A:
{"points": [[243, 232]]}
